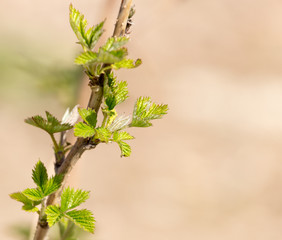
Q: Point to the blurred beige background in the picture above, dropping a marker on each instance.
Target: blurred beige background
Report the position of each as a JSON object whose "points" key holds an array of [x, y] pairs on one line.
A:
{"points": [[211, 169]]}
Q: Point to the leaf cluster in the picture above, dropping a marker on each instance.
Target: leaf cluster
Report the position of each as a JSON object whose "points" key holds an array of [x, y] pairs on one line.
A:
{"points": [[71, 199], [31, 197], [112, 55]]}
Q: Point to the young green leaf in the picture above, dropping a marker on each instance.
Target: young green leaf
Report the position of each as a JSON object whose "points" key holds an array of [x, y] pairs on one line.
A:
{"points": [[71, 198], [118, 136], [103, 56], [89, 116], [89, 38], [50, 125], [103, 134], [113, 56], [53, 214], [39, 175], [93, 35], [82, 218], [114, 92], [33, 194], [145, 111], [127, 63], [115, 43], [52, 185], [87, 58], [125, 149], [83, 130], [29, 205]]}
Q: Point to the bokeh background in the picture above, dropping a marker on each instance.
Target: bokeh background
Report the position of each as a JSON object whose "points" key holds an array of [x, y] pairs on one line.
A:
{"points": [[210, 170]]}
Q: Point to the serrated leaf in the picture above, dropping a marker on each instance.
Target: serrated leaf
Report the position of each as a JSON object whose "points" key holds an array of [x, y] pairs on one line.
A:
{"points": [[89, 116], [103, 134], [39, 175], [114, 92], [127, 63], [33, 194], [50, 125], [71, 198], [88, 38], [118, 136], [82, 218], [53, 214], [87, 58], [83, 130], [94, 34], [29, 205], [53, 184], [125, 149], [110, 57], [103, 56], [114, 43], [145, 111]]}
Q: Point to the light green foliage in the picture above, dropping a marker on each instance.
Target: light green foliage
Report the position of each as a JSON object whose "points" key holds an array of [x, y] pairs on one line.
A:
{"points": [[114, 43], [103, 56], [86, 129], [82, 218], [69, 200], [87, 38], [102, 134], [145, 111], [29, 205], [54, 214], [51, 125], [40, 175], [31, 197], [112, 55], [125, 149], [89, 116], [127, 63], [118, 137], [114, 92], [83, 130]]}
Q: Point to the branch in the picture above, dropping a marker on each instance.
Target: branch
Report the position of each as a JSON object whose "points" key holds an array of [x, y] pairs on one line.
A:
{"points": [[81, 144]]}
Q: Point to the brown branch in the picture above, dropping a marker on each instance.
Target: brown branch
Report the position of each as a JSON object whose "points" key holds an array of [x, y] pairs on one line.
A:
{"points": [[82, 144], [122, 18]]}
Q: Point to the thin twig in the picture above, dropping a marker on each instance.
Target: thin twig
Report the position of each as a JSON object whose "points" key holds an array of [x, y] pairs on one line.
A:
{"points": [[82, 144]]}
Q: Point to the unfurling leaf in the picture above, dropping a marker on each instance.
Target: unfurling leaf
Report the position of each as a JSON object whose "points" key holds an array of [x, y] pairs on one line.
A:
{"points": [[118, 137], [127, 63], [114, 92], [145, 111], [119, 123], [89, 38], [125, 149]]}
